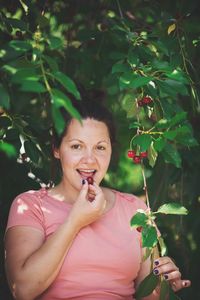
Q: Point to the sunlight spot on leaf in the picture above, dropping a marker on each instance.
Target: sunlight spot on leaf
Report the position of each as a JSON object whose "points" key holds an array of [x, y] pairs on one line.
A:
{"points": [[171, 28]]}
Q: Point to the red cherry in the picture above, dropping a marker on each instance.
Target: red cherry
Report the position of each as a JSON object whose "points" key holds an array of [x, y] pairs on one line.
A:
{"points": [[90, 180], [139, 228], [137, 159], [147, 100], [131, 153], [140, 103], [143, 154]]}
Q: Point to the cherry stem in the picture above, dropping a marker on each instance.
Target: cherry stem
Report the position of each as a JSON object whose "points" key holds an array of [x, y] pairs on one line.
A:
{"points": [[145, 186]]}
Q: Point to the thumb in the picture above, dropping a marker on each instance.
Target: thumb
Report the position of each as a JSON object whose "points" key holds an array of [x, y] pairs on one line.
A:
{"points": [[84, 189]]}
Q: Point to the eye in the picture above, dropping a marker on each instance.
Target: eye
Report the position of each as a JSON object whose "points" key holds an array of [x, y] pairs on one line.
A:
{"points": [[100, 147], [76, 146]]}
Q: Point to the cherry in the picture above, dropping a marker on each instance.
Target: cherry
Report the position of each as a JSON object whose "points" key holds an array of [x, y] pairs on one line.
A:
{"points": [[90, 180], [24, 157], [143, 154], [147, 100], [140, 103], [139, 228], [131, 153], [137, 159]]}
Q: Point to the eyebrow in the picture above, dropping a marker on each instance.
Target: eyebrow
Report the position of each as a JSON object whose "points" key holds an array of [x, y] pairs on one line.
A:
{"points": [[77, 140]]}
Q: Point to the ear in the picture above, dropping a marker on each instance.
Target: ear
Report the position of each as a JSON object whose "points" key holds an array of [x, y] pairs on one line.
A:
{"points": [[56, 153]]}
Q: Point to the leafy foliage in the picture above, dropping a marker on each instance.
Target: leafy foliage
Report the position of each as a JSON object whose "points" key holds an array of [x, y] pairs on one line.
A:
{"points": [[129, 52]]}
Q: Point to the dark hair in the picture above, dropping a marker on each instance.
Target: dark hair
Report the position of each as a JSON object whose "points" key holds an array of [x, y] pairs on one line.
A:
{"points": [[87, 109]]}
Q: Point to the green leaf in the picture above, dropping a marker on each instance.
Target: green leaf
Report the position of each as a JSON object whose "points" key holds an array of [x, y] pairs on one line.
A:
{"points": [[25, 74], [120, 67], [61, 100], [147, 286], [139, 219], [68, 83], [129, 105], [177, 86], [133, 58], [58, 119], [148, 252], [185, 136], [170, 135], [12, 137], [55, 42], [177, 75], [15, 23], [163, 248], [124, 80], [42, 21], [164, 290], [139, 81], [4, 97], [152, 155], [51, 62], [178, 118], [149, 236], [162, 124], [165, 89], [32, 151], [173, 208], [20, 46], [12, 134], [171, 155], [32, 86], [134, 125], [143, 140], [159, 144], [8, 149]]}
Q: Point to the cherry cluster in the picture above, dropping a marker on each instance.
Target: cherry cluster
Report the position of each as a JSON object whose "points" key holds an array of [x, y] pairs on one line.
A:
{"points": [[137, 158], [145, 101]]}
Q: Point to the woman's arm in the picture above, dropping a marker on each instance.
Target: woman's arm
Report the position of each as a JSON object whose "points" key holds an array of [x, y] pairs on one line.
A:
{"points": [[166, 267], [33, 263]]}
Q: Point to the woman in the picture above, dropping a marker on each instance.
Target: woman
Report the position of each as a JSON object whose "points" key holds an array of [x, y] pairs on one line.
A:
{"points": [[73, 241]]}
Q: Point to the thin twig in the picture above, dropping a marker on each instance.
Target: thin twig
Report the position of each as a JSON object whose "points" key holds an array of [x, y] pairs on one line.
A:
{"points": [[120, 10]]}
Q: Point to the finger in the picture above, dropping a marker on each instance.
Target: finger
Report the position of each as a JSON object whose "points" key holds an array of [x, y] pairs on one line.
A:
{"points": [[96, 188], [165, 269], [186, 283], [172, 276], [179, 284], [163, 260], [84, 189]]}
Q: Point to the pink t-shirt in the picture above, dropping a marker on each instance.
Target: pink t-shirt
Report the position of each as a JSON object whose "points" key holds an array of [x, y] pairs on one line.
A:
{"points": [[103, 260]]}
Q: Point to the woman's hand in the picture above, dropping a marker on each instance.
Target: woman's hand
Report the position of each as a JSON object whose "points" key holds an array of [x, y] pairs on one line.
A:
{"points": [[166, 267], [84, 211]]}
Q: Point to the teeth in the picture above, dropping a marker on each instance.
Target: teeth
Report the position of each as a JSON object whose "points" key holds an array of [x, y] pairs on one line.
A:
{"points": [[87, 171]]}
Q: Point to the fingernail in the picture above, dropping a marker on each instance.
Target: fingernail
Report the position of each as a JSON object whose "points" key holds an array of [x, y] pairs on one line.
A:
{"points": [[184, 284], [156, 272], [156, 262], [166, 276], [83, 181]]}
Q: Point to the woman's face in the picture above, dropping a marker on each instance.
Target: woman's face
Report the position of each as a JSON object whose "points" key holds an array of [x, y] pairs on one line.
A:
{"points": [[85, 151]]}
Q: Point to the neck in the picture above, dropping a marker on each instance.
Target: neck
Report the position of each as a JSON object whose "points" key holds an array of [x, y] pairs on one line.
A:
{"points": [[64, 192]]}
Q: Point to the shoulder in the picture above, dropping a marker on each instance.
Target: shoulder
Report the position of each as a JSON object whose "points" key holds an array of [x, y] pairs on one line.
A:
{"points": [[27, 210], [132, 200], [28, 199]]}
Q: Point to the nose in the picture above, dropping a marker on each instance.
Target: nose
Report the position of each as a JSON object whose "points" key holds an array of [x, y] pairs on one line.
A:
{"points": [[89, 156]]}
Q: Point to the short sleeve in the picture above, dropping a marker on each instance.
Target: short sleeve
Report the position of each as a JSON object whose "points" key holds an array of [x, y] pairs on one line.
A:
{"points": [[26, 211], [140, 204]]}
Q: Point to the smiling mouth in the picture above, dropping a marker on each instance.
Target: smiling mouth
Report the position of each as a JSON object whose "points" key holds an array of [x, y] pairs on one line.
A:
{"points": [[86, 173]]}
